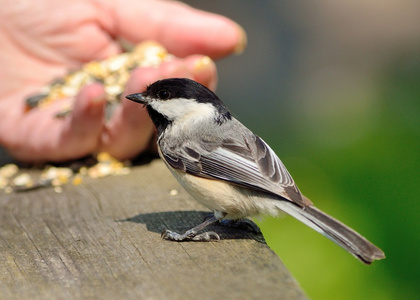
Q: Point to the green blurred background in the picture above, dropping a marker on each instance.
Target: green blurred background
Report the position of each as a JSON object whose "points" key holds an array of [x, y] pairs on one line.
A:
{"points": [[334, 88]]}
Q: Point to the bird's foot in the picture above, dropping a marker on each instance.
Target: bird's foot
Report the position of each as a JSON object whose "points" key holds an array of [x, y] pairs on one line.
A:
{"points": [[190, 235]]}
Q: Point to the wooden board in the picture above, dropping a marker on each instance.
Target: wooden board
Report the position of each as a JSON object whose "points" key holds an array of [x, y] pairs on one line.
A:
{"points": [[101, 240]]}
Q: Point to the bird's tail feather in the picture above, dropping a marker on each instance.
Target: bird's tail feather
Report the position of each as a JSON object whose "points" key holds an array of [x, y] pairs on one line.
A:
{"points": [[336, 231]]}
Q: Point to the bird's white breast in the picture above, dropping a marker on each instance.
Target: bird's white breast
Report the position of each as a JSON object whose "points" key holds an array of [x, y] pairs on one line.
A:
{"points": [[220, 196]]}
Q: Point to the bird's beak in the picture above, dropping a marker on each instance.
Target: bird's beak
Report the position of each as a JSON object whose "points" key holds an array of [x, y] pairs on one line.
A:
{"points": [[137, 98]]}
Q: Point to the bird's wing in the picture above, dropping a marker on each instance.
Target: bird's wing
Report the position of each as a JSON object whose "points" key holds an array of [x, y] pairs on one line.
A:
{"points": [[245, 161]]}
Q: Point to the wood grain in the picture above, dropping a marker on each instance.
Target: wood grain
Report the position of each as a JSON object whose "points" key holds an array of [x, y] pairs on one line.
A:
{"points": [[101, 240]]}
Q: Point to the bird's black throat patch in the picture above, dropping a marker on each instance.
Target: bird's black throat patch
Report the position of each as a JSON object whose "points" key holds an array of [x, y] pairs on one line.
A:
{"points": [[160, 121]]}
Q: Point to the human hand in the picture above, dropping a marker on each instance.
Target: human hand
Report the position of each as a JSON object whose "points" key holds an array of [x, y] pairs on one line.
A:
{"points": [[43, 40]]}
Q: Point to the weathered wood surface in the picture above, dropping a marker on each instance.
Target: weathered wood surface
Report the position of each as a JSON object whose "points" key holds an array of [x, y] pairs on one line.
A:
{"points": [[101, 240]]}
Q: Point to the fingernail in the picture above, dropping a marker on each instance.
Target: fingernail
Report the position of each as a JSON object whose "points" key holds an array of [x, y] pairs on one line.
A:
{"points": [[203, 70], [97, 103], [203, 63], [98, 99], [242, 42]]}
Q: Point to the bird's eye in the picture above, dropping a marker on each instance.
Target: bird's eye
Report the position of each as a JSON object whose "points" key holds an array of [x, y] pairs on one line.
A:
{"points": [[163, 94]]}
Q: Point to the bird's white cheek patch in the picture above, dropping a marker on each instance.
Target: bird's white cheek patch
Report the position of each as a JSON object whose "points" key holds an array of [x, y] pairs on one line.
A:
{"points": [[185, 110]]}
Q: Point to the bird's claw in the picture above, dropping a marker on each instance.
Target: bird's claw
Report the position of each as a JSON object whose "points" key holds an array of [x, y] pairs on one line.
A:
{"points": [[190, 236]]}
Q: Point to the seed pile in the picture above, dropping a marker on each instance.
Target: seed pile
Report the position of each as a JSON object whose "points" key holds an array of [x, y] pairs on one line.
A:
{"points": [[112, 72], [13, 180]]}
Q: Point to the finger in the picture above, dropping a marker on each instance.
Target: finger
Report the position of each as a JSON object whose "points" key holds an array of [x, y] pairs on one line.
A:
{"points": [[84, 126], [43, 137], [130, 129], [182, 29], [197, 67]]}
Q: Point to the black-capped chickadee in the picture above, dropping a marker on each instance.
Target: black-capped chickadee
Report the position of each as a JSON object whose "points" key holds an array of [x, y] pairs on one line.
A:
{"points": [[226, 167]]}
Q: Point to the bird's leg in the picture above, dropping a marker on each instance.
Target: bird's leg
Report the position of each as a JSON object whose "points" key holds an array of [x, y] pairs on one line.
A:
{"points": [[244, 223], [241, 223], [192, 234]]}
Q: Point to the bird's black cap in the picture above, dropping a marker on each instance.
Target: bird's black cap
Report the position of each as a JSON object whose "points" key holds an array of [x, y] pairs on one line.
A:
{"points": [[173, 88]]}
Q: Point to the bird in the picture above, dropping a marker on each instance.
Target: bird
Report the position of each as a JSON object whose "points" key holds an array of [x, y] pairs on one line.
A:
{"points": [[229, 169]]}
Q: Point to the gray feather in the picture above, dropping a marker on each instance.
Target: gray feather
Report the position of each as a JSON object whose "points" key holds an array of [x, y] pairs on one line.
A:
{"points": [[235, 154], [336, 231]]}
